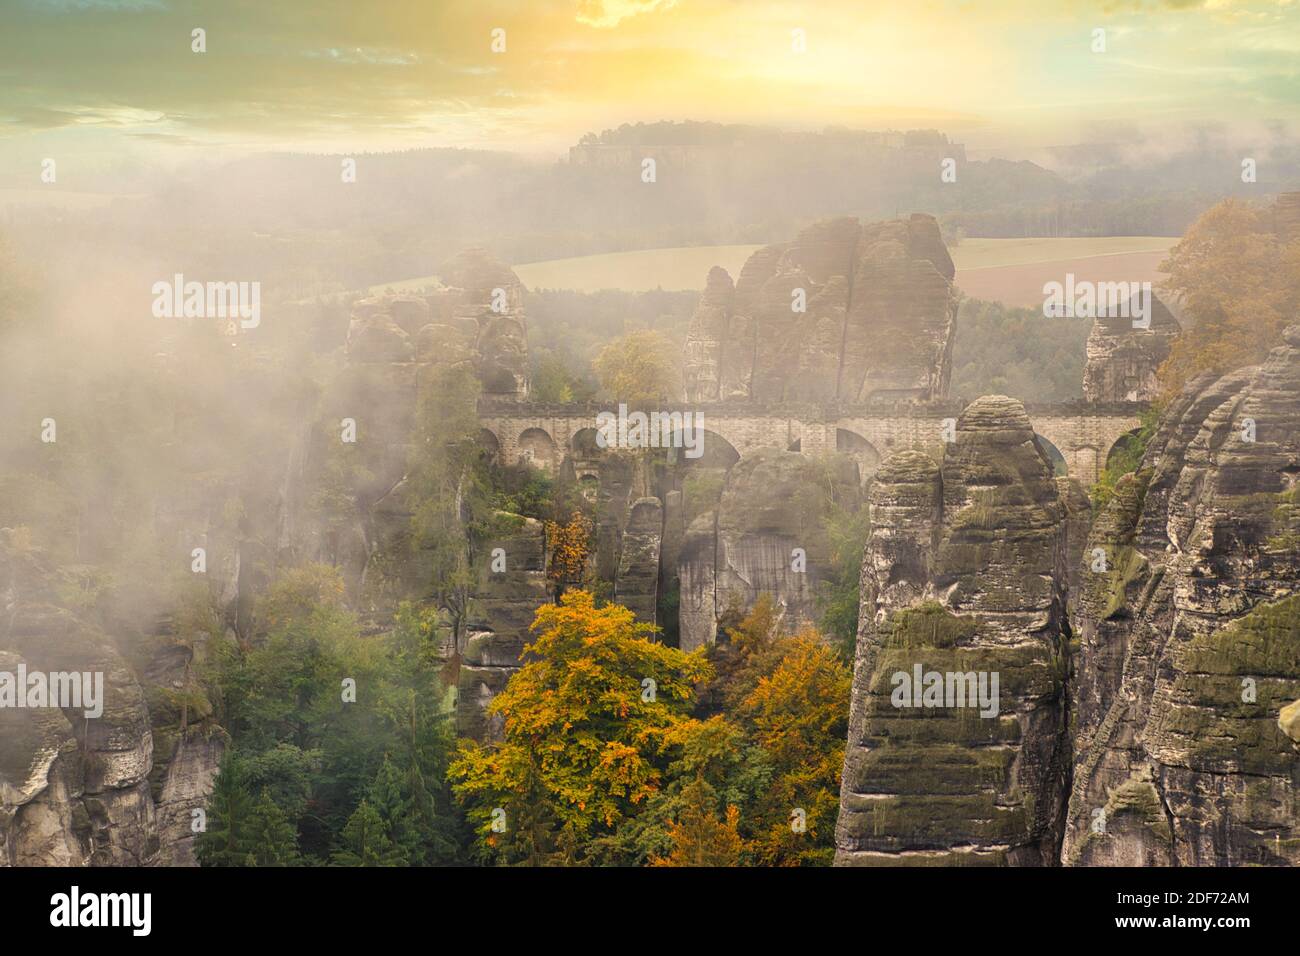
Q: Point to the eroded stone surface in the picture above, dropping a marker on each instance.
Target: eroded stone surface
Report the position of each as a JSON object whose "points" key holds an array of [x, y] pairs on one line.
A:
{"points": [[845, 311], [1123, 360], [637, 585], [766, 535], [1191, 637], [504, 605], [963, 573]]}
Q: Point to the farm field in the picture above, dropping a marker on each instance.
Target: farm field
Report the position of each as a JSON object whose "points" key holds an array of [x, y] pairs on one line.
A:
{"points": [[1022, 284], [1007, 270], [998, 253]]}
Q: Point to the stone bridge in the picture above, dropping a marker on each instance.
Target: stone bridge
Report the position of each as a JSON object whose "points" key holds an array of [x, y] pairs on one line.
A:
{"points": [[1082, 433]]}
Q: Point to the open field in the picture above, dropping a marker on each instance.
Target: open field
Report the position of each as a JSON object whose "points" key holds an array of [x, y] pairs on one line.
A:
{"points": [[681, 268], [1022, 285], [1007, 270], [1013, 271], [998, 253]]}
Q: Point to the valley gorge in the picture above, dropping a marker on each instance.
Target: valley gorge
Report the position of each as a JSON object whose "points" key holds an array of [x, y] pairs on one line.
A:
{"points": [[1146, 648]]}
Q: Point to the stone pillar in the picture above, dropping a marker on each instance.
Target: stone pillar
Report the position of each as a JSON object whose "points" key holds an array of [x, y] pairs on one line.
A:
{"points": [[637, 585]]}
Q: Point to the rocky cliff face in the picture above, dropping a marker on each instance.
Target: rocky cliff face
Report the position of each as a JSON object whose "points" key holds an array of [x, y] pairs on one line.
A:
{"points": [[846, 311], [121, 789], [1123, 361], [765, 536], [77, 789], [512, 586], [475, 318], [958, 748], [637, 584], [1190, 637]]}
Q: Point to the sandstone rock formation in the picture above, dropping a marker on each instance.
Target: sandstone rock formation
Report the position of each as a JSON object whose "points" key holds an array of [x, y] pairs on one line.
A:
{"points": [[1078, 521], [504, 604], [876, 321], [1190, 637], [1122, 361], [765, 536], [395, 344], [76, 789], [963, 574], [637, 584]]}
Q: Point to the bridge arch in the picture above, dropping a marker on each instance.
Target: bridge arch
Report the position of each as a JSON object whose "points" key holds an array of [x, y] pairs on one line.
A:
{"points": [[1060, 466], [1125, 444], [537, 448], [1082, 434], [857, 447], [490, 444], [584, 455], [715, 451]]}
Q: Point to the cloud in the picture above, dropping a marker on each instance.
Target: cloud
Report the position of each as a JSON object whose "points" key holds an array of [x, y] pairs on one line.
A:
{"points": [[88, 6], [390, 73], [605, 14]]}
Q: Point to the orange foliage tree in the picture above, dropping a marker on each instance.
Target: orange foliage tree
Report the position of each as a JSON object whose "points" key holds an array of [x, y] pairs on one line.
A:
{"points": [[1239, 283], [798, 716], [698, 837], [570, 550], [586, 736]]}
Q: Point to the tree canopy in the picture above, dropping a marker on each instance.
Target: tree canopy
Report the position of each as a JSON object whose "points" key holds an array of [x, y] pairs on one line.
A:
{"points": [[1239, 282], [640, 368]]}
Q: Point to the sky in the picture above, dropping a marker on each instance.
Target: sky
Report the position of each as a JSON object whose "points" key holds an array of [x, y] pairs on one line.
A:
{"points": [[105, 79]]}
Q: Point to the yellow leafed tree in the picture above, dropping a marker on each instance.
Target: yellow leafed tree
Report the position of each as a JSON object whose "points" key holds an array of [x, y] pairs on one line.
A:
{"points": [[1239, 283], [586, 744]]}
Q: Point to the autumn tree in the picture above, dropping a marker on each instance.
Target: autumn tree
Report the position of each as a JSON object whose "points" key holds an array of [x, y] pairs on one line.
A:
{"points": [[641, 368], [1239, 283], [772, 749], [789, 696], [699, 837], [750, 646], [586, 726], [799, 718], [570, 550]]}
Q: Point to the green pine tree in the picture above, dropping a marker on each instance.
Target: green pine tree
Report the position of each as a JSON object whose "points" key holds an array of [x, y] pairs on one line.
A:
{"points": [[366, 841], [273, 838], [227, 841], [388, 797]]}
